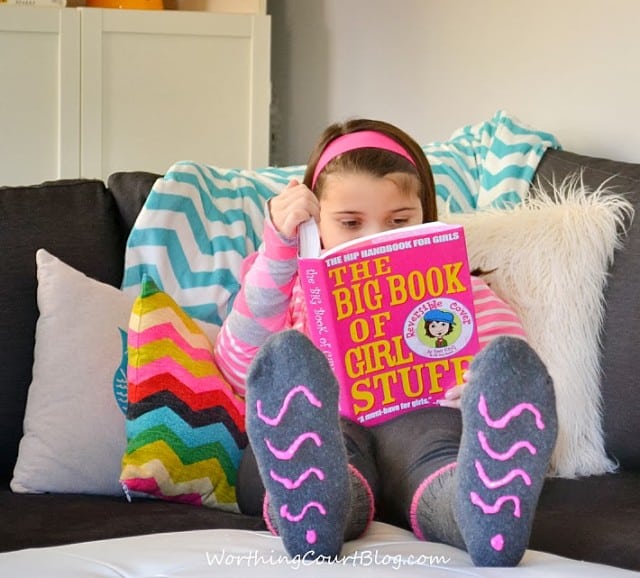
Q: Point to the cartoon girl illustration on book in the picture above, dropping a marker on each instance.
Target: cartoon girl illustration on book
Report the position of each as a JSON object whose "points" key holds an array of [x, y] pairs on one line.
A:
{"points": [[438, 324]]}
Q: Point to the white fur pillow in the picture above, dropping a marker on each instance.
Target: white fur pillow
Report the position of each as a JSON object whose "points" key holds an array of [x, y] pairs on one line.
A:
{"points": [[549, 259]]}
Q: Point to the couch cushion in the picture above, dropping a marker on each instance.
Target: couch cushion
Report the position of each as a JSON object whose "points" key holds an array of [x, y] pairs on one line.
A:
{"points": [[593, 519], [621, 330], [384, 552], [34, 520], [79, 222]]}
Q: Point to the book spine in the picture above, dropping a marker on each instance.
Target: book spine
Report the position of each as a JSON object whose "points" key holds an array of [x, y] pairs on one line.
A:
{"points": [[314, 281]]}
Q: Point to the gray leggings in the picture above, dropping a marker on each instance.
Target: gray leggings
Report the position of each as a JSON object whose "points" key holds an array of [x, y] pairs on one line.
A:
{"points": [[394, 458]]}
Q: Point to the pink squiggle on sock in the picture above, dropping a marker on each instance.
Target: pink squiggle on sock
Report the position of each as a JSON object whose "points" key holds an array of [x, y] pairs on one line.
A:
{"points": [[284, 511], [503, 457], [274, 421], [290, 452], [293, 484], [487, 509], [493, 484], [515, 411]]}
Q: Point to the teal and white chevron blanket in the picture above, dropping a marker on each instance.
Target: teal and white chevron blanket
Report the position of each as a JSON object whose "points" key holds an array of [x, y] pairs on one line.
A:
{"points": [[199, 222], [490, 164]]}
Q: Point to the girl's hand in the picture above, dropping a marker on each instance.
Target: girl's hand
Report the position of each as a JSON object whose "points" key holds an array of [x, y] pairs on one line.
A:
{"points": [[293, 206], [453, 396]]}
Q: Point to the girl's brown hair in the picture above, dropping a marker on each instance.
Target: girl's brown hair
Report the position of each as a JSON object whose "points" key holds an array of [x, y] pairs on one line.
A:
{"points": [[375, 161]]}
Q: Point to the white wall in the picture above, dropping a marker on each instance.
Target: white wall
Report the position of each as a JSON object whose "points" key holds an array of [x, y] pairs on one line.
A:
{"points": [[570, 67]]}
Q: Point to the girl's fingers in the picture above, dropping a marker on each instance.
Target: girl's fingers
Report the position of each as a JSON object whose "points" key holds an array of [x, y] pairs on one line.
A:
{"points": [[294, 205]]}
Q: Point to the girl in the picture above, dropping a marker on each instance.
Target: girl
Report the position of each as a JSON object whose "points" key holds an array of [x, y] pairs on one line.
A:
{"points": [[468, 473]]}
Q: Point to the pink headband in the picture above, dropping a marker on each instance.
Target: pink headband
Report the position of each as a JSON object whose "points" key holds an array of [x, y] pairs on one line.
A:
{"points": [[358, 140]]}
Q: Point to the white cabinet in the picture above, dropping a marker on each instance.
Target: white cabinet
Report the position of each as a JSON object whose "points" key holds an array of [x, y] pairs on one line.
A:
{"points": [[39, 94], [87, 92]]}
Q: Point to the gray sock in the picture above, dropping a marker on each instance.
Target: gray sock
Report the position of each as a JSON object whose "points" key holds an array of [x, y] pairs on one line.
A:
{"points": [[293, 425], [361, 507], [509, 431], [432, 509]]}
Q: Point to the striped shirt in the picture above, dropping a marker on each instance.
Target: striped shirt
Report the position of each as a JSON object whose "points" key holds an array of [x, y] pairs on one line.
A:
{"points": [[271, 300]]}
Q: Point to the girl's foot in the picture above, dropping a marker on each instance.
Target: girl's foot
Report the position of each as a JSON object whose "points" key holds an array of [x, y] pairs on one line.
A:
{"points": [[509, 432], [294, 429]]}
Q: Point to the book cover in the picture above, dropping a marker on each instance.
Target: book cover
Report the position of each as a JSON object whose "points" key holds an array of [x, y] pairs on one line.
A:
{"points": [[393, 313]]}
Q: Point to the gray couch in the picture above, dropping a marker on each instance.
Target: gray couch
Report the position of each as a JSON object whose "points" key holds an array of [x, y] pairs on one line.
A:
{"points": [[86, 224]]}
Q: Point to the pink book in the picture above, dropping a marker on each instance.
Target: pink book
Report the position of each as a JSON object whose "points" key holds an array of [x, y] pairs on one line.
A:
{"points": [[393, 314]]}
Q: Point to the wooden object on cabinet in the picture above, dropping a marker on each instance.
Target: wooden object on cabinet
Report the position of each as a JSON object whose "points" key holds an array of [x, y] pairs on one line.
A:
{"points": [[237, 6]]}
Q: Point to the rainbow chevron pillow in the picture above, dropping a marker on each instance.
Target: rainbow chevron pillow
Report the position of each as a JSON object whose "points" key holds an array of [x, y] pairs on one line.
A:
{"points": [[185, 426]]}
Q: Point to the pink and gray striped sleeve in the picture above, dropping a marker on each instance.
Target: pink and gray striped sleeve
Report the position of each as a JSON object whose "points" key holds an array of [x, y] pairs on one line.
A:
{"points": [[494, 317], [261, 308]]}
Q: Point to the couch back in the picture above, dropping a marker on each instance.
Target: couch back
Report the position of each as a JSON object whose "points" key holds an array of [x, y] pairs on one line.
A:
{"points": [[86, 224], [621, 329]]}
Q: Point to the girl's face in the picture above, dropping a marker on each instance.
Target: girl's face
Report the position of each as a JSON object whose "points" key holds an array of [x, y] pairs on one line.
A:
{"points": [[357, 204]]}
